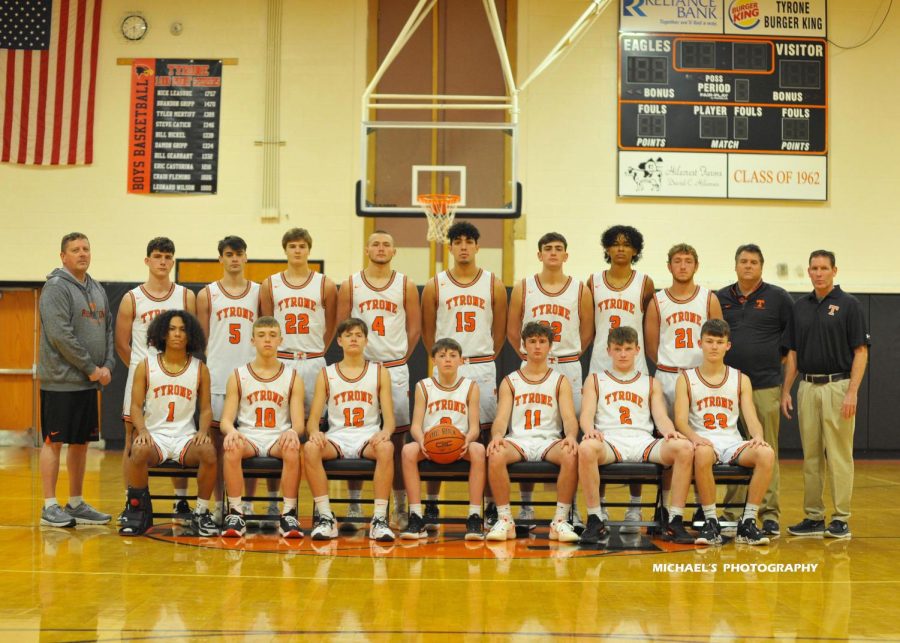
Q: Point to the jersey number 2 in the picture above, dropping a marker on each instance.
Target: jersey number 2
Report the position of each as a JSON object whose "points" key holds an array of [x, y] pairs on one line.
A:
{"points": [[710, 421], [354, 416], [684, 338], [296, 324]]}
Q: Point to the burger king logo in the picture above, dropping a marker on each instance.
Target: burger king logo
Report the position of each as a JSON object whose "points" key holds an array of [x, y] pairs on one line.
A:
{"points": [[744, 14]]}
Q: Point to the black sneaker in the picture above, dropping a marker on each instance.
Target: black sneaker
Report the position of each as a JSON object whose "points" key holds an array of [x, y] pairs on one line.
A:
{"points": [[699, 517], [807, 527], [138, 514], [490, 515], [595, 531], [709, 533], [289, 526], [749, 534], [432, 515], [415, 528], [676, 533], [235, 525], [474, 528], [203, 524], [771, 528], [838, 529]]}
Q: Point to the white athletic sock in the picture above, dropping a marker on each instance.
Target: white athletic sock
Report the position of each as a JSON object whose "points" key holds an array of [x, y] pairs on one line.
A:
{"points": [[415, 509], [380, 508], [709, 512], [202, 506], [181, 493], [562, 512], [289, 504], [750, 511], [49, 502], [503, 511], [323, 506], [75, 501], [475, 509], [676, 512], [236, 503], [596, 511]]}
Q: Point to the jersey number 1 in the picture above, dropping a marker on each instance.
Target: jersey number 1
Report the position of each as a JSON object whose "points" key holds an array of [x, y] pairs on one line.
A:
{"points": [[296, 324], [684, 338], [465, 321], [265, 417], [532, 419], [354, 416]]}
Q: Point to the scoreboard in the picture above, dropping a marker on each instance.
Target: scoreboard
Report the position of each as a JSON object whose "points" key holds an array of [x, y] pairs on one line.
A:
{"points": [[723, 114]]}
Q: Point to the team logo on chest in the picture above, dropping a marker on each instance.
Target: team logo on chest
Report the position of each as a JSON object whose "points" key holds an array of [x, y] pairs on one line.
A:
{"points": [[235, 311], [148, 316], [353, 396], [551, 309], [534, 398], [617, 397], [685, 316], [266, 396], [296, 302], [716, 401], [464, 300], [172, 390], [377, 304], [616, 304], [439, 406]]}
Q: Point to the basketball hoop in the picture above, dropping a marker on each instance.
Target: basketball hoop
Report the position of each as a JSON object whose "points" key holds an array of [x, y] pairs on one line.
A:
{"points": [[439, 210]]}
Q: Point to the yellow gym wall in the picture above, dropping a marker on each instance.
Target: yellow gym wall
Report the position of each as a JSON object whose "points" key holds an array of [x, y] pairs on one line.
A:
{"points": [[567, 157]]}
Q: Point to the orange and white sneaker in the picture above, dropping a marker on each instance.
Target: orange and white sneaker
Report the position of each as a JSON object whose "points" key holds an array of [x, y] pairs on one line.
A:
{"points": [[503, 529]]}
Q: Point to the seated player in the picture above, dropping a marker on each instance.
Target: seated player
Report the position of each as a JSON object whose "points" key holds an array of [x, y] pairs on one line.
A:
{"points": [[174, 384], [618, 410], [708, 401], [357, 396], [445, 399], [266, 399], [535, 404]]}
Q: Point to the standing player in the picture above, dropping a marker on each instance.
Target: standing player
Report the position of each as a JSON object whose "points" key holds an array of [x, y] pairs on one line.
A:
{"points": [[620, 409], [564, 305], [137, 310], [389, 304], [445, 399], [265, 397], [708, 401], [226, 310], [467, 304], [620, 296], [170, 385], [357, 396], [304, 302], [536, 407], [674, 319]]}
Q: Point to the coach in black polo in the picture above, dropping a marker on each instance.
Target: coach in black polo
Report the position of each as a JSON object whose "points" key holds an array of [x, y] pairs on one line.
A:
{"points": [[758, 313], [828, 343]]}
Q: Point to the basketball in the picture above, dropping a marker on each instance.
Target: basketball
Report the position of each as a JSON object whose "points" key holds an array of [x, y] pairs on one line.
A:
{"points": [[444, 443]]}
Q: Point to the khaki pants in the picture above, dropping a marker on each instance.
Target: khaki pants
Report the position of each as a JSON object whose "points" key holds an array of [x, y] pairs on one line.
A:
{"points": [[767, 402], [823, 431]]}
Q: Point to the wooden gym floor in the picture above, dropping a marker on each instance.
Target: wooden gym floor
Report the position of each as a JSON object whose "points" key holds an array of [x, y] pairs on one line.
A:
{"points": [[90, 584]]}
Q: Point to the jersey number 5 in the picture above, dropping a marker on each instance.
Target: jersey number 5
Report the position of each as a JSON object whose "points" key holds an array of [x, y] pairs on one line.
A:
{"points": [[234, 333], [465, 321]]}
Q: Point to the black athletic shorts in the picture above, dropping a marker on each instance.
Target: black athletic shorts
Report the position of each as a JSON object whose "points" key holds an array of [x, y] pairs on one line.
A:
{"points": [[69, 417]]}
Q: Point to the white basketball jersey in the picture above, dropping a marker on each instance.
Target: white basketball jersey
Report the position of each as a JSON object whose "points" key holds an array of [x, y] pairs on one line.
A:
{"points": [[679, 328], [559, 311], [715, 409], [466, 313], [353, 404], [171, 398], [535, 411], [146, 308], [623, 404], [230, 331], [384, 311], [446, 405], [265, 404], [614, 307], [301, 312]]}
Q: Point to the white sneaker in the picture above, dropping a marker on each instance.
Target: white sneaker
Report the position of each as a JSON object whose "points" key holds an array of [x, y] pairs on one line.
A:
{"points": [[632, 513], [526, 513], [563, 532], [379, 531], [325, 528], [503, 529]]}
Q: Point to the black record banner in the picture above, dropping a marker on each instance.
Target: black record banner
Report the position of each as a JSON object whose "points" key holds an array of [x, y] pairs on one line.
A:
{"points": [[175, 113]]}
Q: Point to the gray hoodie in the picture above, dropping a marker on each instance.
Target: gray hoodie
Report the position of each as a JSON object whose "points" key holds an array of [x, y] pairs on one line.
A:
{"points": [[76, 332]]}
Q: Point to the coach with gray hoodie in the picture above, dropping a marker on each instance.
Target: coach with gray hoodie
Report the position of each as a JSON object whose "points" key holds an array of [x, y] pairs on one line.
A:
{"points": [[76, 358]]}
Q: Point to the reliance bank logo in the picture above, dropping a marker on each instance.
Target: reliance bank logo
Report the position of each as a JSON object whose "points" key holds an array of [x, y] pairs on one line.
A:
{"points": [[681, 9]]}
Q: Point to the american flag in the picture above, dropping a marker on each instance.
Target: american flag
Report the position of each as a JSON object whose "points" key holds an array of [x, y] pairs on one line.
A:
{"points": [[48, 73]]}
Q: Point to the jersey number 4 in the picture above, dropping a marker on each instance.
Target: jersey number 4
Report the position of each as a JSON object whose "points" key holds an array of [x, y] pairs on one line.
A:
{"points": [[296, 324]]}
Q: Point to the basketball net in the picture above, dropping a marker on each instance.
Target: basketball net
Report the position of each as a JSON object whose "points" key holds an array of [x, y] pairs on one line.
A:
{"points": [[439, 211]]}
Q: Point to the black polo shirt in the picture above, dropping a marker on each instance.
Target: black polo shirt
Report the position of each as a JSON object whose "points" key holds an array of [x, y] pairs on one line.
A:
{"points": [[825, 333], [757, 326]]}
